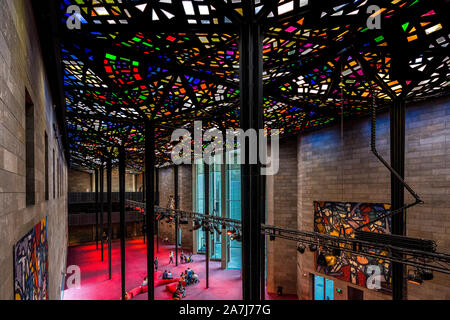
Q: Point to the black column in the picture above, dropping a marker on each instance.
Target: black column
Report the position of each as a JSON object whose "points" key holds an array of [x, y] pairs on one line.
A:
{"points": [[122, 216], [252, 203], [397, 128], [96, 207], [157, 204], [263, 244], [177, 220], [102, 209], [206, 230], [109, 201], [143, 197], [150, 205]]}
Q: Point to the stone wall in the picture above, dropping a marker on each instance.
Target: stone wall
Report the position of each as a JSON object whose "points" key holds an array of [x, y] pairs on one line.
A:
{"points": [[328, 171], [21, 70], [282, 212], [185, 194], [166, 189], [81, 181]]}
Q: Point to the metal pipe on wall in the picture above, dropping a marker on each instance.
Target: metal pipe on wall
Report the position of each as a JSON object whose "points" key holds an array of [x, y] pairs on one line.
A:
{"points": [[397, 145]]}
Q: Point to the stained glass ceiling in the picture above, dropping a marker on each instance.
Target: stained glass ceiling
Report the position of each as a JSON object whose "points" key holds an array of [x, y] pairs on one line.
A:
{"points": [[174, 62]]}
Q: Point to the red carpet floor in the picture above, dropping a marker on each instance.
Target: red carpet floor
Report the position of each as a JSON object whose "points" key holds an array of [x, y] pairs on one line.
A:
{"points": [[224, 284]]}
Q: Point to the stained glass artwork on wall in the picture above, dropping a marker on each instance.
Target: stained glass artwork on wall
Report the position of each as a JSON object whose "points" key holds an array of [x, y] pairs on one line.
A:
{"points": [[340, 219]]}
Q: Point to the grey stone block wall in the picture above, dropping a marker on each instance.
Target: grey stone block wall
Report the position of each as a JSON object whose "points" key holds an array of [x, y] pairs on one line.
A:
{"points": [[282, 212], [166, 189], [82, 181], [21, 69], [329, 171]]}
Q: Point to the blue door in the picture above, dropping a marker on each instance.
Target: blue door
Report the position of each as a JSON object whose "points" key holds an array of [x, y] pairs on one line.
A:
{"points": [[323, 288], [318, 288]]}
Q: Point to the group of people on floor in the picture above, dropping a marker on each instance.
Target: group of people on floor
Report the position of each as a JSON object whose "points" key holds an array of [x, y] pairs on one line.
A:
{"points": [[183, 258], [188, 277], [186, 259], [167, 275]]}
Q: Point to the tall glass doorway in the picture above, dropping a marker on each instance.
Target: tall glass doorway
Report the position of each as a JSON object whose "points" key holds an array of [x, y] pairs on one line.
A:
{"points": [[232, 201]]}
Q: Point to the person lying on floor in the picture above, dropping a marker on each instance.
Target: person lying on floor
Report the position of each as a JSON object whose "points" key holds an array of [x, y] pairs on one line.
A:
{"points": [[143, 288]]}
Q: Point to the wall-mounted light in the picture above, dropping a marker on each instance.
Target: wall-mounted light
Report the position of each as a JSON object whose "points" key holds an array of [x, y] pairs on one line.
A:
{"points": [[301, 248]]}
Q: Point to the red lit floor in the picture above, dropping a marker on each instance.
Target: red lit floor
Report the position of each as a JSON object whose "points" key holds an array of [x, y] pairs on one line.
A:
{"points": [[224, 284]]}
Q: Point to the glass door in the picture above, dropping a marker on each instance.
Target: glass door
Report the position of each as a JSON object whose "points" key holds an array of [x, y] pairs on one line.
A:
{"points": [[200, 203], [323, 288], [215, 206], [233, 195]]}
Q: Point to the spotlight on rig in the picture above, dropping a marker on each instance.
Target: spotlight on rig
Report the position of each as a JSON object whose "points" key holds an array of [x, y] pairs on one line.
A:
{"points": [[197, 225], [415, 278], [217, 230], [312, 248], [427, 274], [231, 232], [236, 237], [301, 248]]}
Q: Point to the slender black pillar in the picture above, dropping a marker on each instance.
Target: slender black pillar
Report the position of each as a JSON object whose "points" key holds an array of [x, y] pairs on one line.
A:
{"points": [[96, 207], [157, 204], [263, 245], [397, 133], [102, 209], [177, 220], [252, 205], [207, 232], [109, 201], [150, 205], [122, 216], [143, 197]]}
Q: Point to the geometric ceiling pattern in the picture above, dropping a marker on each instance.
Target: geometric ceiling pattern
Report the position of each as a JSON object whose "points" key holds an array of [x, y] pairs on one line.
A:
{"points": [[174, 62]]}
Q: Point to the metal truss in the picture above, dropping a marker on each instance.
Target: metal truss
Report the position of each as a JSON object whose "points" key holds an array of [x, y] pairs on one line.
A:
{"points": [[439, 262]]}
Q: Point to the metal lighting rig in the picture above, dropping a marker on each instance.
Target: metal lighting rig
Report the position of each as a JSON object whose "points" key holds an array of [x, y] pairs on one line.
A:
{"points": [[417, 253]]}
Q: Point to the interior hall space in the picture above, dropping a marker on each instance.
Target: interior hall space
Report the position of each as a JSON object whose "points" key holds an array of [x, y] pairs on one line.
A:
{"points": [[200, 150]]}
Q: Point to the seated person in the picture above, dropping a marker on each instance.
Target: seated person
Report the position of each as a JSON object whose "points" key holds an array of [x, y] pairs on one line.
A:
{"points": [[187, 278], [143, 288], [181, 290], [182, 258], [165, 275], [188, 259], [176, 295], [169, 275], [195, 278]]}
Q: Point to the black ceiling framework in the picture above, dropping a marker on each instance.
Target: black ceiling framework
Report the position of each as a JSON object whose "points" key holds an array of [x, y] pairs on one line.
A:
{"points": [[313, 52]]}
